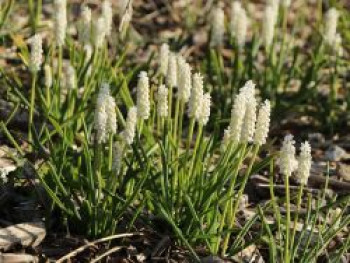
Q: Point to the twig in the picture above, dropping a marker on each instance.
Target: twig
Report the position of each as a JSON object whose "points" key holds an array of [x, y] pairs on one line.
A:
{"points": [[82, 248], [112, 250]]}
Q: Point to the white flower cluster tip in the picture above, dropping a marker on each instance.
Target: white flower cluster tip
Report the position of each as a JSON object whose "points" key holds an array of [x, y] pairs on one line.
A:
{"points": [[85, 25], [330, 32], [60, 19], [164, 59], [287, 161], [239, 23], [270, 20], [217, 27], [126, 19], [245, 126], [143, 99], [105, 115], [204, 114], [162, 101], [130, 126], [48, 75], [304, 161], [36, 55], [107, 14], [172, 71], [194, 106], [99, 32], [184, 79]]}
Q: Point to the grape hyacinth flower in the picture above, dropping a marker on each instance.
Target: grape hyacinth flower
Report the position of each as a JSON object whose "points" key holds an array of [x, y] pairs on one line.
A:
{"points": [[164, 59], [239, 23], [48, 75], [99, 32], [184, 79], [105, 115], [60, 19], [262, 124], [130, 126], [248, 127], [270, 19], [143, 100], [194, 106], [172, 71], [330, 32], [204, 115], [162, 101], [217, 27], [36, 54], [107, 14], [287, 161], [85, 25], [237, 116], [304, 161]]}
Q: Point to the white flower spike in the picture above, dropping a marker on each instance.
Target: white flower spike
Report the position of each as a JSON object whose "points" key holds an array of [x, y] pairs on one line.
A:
{"points": [[304, 166], [128, 134], [287, 161], [60, 19], [262, 124], [143, 99], [36, 54]]}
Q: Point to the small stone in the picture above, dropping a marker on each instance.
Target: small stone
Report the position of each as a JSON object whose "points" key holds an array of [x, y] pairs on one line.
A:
{"points": [[335, 153], [344, 171], [316, 139]]}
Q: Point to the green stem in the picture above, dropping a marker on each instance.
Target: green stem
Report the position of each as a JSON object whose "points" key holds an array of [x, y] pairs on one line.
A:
{"points": [[296, 215], [286, 246], [31, 110], [239, 195]]}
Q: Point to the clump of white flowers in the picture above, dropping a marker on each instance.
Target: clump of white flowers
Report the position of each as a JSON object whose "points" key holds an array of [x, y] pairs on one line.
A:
{"points": [[217, 27], [204, 114], [85, 25], [99, 32], [48, 75], [164, 59], [162, 101], [36, 54], [143, 100], [239, 23], [184, 79], [262, 123], [107, 14], [304, 163], [171, 78], [330, 32], [270, 20], [245, 125], [105, 115], [128, 133], [287, 161], [194, 106], [60, 19]]}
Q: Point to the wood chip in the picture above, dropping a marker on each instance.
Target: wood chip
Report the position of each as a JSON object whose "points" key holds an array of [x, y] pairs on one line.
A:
{"points": [[17, 258], [25, 234]]}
